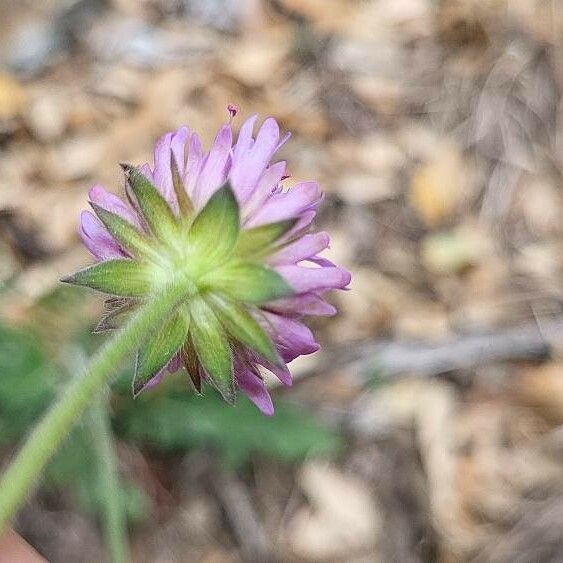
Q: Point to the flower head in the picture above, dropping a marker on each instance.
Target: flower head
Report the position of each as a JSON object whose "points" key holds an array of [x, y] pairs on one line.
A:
{"points": [[222, 224]]}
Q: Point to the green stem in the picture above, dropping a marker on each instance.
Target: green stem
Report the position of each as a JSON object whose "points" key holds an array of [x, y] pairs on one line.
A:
{"points": [[115, 525], [47, 436]]}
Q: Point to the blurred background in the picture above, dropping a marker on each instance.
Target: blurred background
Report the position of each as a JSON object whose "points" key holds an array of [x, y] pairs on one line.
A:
{"points": [[429, 427]]}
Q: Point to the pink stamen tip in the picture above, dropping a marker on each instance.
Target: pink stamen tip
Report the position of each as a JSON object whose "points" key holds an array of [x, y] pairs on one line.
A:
{"points": [[232, 109], [285, 177]]}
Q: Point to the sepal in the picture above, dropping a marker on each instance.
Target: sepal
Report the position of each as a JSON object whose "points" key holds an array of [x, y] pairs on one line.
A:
{"points": [[121, 277], [160, 349], [212, 348], [154, 207], [247, 282], [130, 239], [215, 230], [242, 326], [260, 241]]}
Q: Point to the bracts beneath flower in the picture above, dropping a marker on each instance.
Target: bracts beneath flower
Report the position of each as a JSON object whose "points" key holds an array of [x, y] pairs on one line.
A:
{"points": [[223, 225]]}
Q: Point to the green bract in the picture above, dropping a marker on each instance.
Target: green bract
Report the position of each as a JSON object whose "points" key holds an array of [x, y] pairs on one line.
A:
{"points": [[221, 266]]}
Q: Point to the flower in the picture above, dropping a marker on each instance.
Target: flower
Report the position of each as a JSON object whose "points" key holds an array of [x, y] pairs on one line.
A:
{"points": [[222, 224]]}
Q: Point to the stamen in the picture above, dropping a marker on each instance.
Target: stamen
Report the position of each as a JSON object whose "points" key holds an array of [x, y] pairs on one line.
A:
{"points": [[233, 110]]}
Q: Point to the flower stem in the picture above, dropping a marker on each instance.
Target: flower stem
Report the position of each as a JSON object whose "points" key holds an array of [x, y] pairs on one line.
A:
{"points": [[47, 436], [114, 520]]}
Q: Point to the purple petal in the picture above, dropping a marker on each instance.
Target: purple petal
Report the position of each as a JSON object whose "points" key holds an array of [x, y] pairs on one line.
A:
{"points": [[194, 164], [178, 148], [162, 176], [244, 142], [213, 173], [303, 280], [110, 202], [266, 185], [306, 304], [302, 197], [291, 337], [254, 388], [156, 379], [320, 261], [247, 169], [302, 225], [162, 173], [146, 170], [171, 367], [303, 248], [97, 239]]}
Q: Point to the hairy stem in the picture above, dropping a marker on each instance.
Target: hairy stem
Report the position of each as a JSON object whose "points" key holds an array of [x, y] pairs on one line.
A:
{"points": [[47, 436]]}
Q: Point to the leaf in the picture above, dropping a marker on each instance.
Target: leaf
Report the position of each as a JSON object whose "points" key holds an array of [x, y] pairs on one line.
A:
{"points": [[28, 383], [126, 278], [214, 232], [158, 351], [172, 422], [212, 347], [253, 242], [126, 234], [247, 282], [155, 208], [242, 326]]}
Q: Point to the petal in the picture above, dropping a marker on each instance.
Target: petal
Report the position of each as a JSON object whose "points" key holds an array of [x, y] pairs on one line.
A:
{"points": [[194, 164], [306, 304], [162, 173], [178, 148], [305, 247], [291, 337], [146, 170], [266, 185], [156, 379], [301, 197], [255, 389], [97, 239], [281, 372], [172, 367], [303, 280], [247, 170], [244, 142], [213, 173], [110, 202]]}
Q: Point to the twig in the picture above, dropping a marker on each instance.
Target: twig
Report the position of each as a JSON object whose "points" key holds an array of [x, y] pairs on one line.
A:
{"points": [[242, 517], [396, 358]]}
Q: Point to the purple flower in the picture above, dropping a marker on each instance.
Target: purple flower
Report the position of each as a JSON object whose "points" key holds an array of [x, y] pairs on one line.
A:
{"points": [[223, 220]]}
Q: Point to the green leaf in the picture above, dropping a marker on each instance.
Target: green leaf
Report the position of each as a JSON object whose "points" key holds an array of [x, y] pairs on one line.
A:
{"points": [[214, 232], [126, 234], [212, 347], [172, 422], [28, 383], [259, 240], [155, 208], [158, 351], [247, 282], [242, 326], [126, 278]]}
